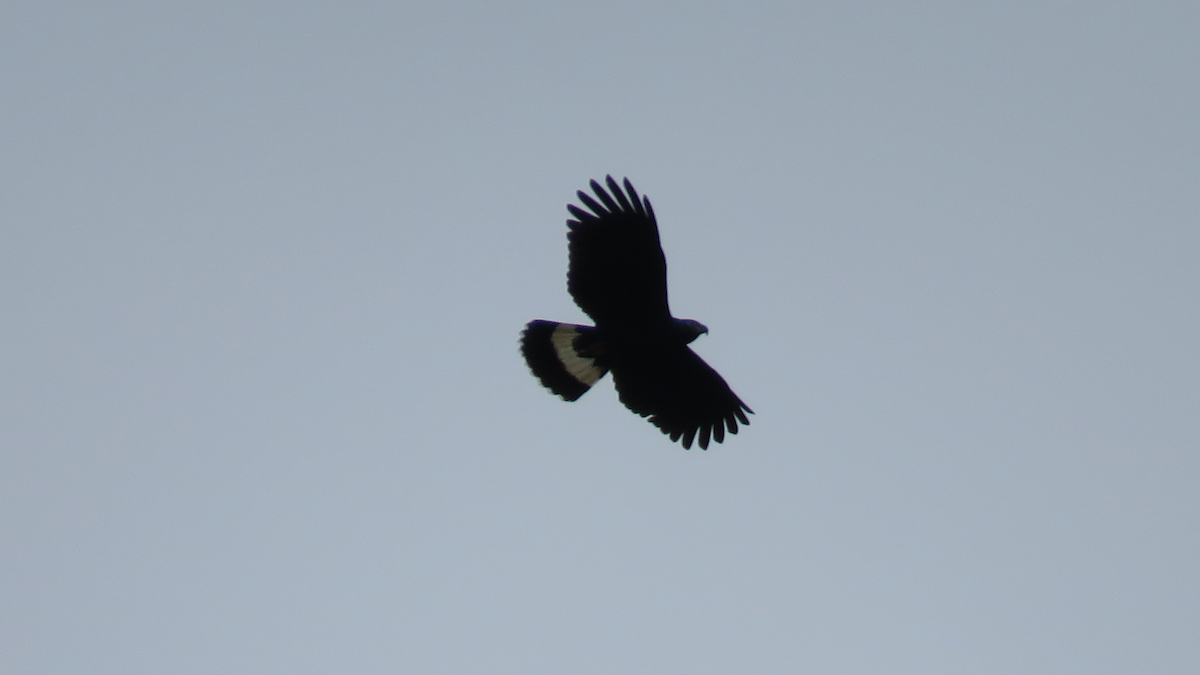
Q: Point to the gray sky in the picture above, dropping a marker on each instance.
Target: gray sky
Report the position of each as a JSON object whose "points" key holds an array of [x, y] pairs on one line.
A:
{"points": [[264, 267]]}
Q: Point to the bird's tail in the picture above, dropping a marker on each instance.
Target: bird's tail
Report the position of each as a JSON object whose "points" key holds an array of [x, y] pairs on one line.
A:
{"points": [[567, 358]]}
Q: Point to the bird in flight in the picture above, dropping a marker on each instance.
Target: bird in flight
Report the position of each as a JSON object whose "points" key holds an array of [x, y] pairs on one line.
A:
{"points": [[618, 276]]}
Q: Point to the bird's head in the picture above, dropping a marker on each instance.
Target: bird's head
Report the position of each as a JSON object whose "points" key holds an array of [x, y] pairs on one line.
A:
{"points": [[690, 329]]}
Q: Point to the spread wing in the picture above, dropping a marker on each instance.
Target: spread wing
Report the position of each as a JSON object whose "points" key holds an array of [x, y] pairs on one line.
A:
{"points": [[680, 393], [618, 273]]}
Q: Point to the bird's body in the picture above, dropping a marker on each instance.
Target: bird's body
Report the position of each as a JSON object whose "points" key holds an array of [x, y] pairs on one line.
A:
{"points": [[618, 276]]}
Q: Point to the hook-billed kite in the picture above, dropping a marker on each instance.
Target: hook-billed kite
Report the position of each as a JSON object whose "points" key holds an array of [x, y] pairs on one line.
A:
{"points": [[618, 276]]}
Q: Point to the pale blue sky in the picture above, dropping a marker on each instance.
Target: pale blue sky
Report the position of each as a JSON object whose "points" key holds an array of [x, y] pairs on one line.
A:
{"points": [[264, 266]]}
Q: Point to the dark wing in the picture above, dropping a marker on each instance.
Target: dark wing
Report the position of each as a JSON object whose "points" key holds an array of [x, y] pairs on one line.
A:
{"points": [[680, 393], [618, 273]]}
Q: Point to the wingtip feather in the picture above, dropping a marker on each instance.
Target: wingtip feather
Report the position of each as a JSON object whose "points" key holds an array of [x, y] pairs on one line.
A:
{"points": [[688, 437]]}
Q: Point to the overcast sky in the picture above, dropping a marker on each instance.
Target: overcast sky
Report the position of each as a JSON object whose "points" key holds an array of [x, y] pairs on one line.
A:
{"points": [[264, 266]]}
